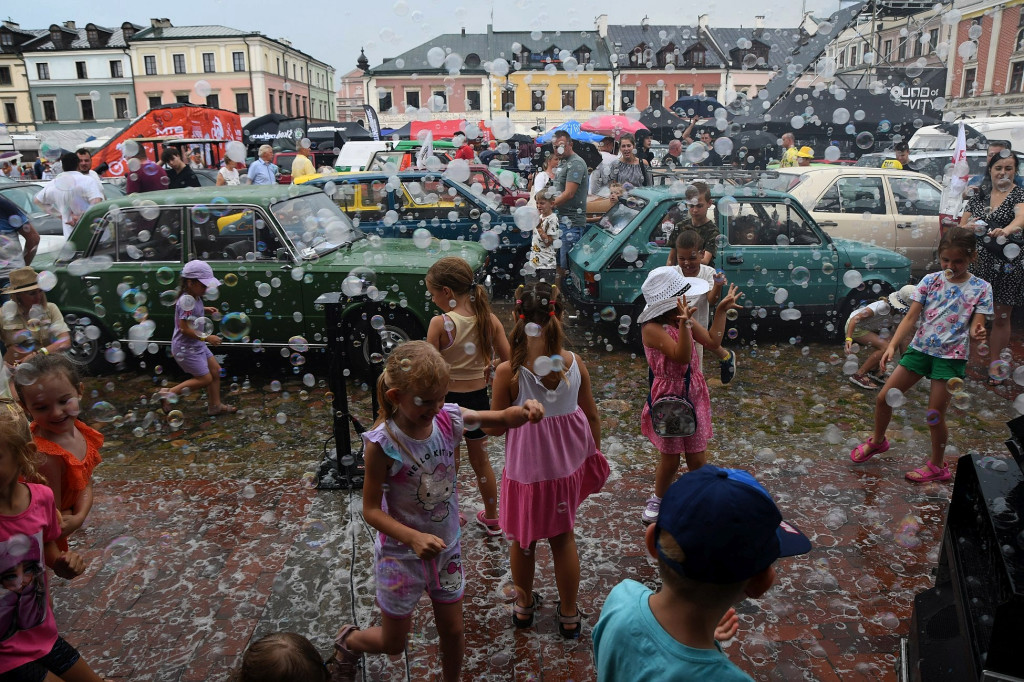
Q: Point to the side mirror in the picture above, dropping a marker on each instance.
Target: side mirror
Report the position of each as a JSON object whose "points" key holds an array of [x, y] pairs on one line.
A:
{"points": [[282, 254]]}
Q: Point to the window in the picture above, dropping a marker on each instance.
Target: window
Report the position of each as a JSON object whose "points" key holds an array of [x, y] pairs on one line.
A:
{"points": [[10, 112], [597, 100], [278, 66], [363, 202], [49, 110], [1016, 77], [682, 92], [238, 232], [842, 58], [854, 195], [919, 46], [43, 70], [80, 70], [5, 75], [887, 49], [209, 65], [143, 237], [116, 69], [853, 55], [121, 107], [440, 99], [915, 197], [582, 55], [86, 107], [412, 98], [213, 101], [569, 99], [429, 199], [696, 56], [933, 39], [384, 103], [628, 99], [154, 101], [150, 64], [242, 102], [1019, 43], [711, 94], [472, 100], [6, 39], [508, 98], [537, 100], [902, 50], [288, 105], [969, 76], [656, 97], [181, 99], [771, 225], [238, 61], [179, 63]]}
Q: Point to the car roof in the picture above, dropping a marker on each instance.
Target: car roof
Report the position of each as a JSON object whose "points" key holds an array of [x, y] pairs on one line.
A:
{"points": [[252, 194], [659, 192], [846, 170]]}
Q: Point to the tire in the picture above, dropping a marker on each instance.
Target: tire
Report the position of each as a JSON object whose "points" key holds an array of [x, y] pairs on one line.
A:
{"points": [[399, 326], [86, 353]]}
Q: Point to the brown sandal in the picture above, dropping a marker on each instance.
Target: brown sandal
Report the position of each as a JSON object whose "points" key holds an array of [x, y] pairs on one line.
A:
{"points": [[344, 665], [221, 409], [526, 611], [574, 619]]}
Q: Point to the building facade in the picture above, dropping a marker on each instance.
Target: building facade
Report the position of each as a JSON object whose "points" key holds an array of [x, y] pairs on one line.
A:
{"points": [[15, 99], [987, 76], [350, 97], [80, 76]]}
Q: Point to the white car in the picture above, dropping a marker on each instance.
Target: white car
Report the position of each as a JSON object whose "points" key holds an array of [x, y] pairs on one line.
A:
{"points": [[894, 209]]}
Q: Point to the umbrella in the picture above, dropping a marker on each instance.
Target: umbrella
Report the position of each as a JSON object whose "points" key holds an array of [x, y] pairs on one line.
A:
{"points": [[586, 151], [663, 123], [696, 106], [573, 128], [609, 124]]}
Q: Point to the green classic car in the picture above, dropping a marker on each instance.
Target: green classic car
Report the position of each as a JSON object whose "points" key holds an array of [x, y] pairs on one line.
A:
{"points": [[275, 249], [788, 268]]}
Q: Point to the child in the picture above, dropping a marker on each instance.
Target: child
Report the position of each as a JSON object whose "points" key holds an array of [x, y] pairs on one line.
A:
{"points": [[543, 254], [715, 542], [698, 202], [668, 332], [282, 657], [551, 467], [690, 256], [468, 335], [70, 448], [409, 496], [951, 300], [30, 648], [863, 327], [189, 345]]}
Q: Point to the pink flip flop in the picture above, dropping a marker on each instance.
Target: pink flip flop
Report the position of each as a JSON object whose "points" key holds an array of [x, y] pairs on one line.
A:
{"points": [[867, 450], [490, 526], [929, 472]]}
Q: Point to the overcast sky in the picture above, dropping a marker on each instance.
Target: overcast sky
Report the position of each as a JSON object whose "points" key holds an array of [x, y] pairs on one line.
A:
{"points": [[334, 31]]}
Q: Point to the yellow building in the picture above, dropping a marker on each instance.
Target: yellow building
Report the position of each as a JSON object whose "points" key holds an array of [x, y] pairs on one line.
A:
{"points": [[15, 102]]}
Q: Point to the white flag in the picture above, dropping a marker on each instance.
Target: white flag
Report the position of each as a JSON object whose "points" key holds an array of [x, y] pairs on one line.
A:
{"points": [[426, 150], [958, 183]]}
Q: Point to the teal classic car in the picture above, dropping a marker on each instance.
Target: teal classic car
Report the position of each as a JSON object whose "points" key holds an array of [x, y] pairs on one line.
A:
{"points": [[788, 268], [275, 250]]}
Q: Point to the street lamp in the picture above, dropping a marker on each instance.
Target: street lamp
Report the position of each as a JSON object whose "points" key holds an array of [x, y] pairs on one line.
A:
{"points": [[510, 88]]}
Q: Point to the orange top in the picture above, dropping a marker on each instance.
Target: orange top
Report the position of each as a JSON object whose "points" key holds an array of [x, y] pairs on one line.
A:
{"points": [[76, 473]]}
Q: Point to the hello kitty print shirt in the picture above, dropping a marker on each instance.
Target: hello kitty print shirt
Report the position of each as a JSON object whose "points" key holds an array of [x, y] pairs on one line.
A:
{"points": [[946, 318], [420, 488]]}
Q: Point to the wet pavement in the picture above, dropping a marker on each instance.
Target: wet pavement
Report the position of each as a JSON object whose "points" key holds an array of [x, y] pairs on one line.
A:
{"points": [[208, 534]]}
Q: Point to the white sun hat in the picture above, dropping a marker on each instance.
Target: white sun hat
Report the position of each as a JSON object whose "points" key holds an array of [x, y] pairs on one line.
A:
{"points": [[664, 286], [901, 300]]}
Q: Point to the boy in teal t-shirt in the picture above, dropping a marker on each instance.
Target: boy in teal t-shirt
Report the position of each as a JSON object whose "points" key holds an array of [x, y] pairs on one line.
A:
{"points": [[717, 536]]}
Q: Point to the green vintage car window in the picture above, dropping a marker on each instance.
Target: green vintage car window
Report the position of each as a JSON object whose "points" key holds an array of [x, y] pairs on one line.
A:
{"points": [[621, 214], [315, 225]]}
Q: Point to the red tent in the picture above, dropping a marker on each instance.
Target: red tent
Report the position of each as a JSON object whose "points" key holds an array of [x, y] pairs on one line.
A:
{"points": [[446, 129]]}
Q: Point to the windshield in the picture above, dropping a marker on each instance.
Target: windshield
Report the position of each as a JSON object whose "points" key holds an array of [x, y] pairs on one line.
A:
{"points": [[314, 224], [621, 213]]}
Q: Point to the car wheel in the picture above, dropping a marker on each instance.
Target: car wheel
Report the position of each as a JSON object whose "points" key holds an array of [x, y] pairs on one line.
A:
{"points": [[399, 326], [87, 342]]}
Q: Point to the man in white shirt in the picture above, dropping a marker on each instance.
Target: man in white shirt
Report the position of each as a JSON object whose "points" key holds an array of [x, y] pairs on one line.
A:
{"points": [[600, 177], [70, 195], [85, 168]]}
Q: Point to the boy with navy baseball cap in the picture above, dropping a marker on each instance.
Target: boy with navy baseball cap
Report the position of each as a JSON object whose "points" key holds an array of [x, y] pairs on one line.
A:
{"points": [[716, 539]]}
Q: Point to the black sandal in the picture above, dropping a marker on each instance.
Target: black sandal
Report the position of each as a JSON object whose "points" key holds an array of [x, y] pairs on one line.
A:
{"points": [[568, 620], [526, 611]]}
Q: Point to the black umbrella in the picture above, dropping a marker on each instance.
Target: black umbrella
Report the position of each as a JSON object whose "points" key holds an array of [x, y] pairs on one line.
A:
{"points": [[587, 151], [663, 123], [696, 106]]}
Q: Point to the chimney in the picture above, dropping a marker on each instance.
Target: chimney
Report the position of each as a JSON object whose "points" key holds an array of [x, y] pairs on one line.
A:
{"points": [[70, 25], [463, 31], [759, 22], [160, 23], [601, 25], [702, 21]]}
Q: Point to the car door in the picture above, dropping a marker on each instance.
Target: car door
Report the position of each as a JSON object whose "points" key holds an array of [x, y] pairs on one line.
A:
{"points": [[144, 246], [916, 201], [777, 257], [856, 207], [253, 264]]}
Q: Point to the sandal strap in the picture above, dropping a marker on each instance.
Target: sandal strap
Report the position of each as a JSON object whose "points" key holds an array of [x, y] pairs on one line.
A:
{"points": [[568, 620], [527, 610]]}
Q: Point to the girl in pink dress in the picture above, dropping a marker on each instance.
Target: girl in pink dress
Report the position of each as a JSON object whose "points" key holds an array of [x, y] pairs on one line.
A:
{"points": [[668, 332], [551, 466]]}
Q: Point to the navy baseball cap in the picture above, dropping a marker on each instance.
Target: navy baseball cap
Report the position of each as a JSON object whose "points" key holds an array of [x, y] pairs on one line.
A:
{"points": [[727, 525]]}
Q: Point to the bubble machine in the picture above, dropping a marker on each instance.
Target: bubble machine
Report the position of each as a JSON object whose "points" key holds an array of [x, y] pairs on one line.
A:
{"points": [[971, 624], [342, 468]]}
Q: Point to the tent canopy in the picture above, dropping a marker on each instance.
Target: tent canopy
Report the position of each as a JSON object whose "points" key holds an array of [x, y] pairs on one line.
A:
{"points": [[573, 128]]}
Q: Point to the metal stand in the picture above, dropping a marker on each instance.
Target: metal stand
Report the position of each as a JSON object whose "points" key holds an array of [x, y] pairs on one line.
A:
{"points": [[342, 467]]}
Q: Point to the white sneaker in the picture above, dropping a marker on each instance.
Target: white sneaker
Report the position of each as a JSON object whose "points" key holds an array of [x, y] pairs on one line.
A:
{"points": [[652, 509]]}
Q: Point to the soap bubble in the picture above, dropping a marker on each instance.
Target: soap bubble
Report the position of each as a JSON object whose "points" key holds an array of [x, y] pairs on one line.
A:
{"points": [[121, 553], [895, 398], [853, 279], [101, 411], [235, 326], [865, 140], [800, 275], [203, 326], [999, 370]]}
